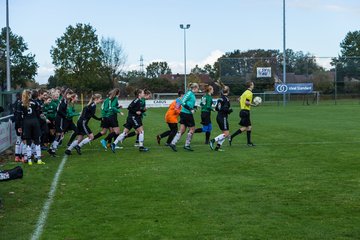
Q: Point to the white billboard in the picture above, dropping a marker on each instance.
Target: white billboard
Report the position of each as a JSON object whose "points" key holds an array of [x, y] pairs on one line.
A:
{"points": [[263, 72]]}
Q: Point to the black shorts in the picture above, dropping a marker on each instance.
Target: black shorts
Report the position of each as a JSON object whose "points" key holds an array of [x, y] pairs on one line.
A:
{"points": [[31, 129], [205, 118], [245, 118], [59, 124], [113, 122], [133, 122], [69, 125], [223, 122], [187, 119], [105, 123], [83, 128]]}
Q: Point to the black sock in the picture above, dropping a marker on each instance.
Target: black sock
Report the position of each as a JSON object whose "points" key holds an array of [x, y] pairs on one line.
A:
{"points": [[207, 137], [131, 134], [97, 135], [236, 133], [109, 137], [198, 130], [248, 134], [115, 136]]}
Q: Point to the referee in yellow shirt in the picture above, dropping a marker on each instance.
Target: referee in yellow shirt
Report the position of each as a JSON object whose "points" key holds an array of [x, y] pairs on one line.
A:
{"points": [[245, 106]]}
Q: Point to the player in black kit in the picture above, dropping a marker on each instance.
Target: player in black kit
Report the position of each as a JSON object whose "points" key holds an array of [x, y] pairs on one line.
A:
{"points": [[223, 109], [30, 126], [82, 125]]}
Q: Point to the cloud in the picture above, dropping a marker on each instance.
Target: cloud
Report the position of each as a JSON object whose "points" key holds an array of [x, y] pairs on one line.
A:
{"points": [[44, 72], [322, 5]]}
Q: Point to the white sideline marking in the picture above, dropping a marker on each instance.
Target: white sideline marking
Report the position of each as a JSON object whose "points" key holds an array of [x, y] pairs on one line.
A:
{"points": [[44, 212]]}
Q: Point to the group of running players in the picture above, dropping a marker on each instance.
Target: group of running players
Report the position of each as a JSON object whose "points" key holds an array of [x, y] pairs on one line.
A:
{"points": [[184, 106], [43, 117]]}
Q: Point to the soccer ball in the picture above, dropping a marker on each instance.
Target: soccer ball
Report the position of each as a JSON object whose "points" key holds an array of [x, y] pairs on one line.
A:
{"points": [[257, 100]]}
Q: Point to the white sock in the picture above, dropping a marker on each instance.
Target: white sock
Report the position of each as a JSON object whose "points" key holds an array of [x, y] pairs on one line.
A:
{"points": [[141, 139], [176, 138], [220, 142], [33, 149], [73, 144], [23, 149], [84, 141], [28, 152], [18, 145], [38, 151], [188, 139], [220, 138], [120, 138]]}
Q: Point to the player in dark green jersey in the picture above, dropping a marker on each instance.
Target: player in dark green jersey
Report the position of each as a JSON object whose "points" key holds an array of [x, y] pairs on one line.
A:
{"points": [[206, 109]]}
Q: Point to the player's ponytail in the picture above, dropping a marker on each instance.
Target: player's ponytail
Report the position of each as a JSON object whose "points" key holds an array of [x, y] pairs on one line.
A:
{"points": [[94, 97], [113, 93], [208, 88], [193, 85], [25, 98], [137, 92], [224, 89]]}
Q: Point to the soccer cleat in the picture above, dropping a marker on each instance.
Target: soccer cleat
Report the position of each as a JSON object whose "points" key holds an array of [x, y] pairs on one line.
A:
{"points": [[230, 141], [211, 144], [188, 148], [103, 143], [219, 150], [68, 152], [118, 147], [78, 149], [39, 162], [173, 147], [17, 159], [251, 145], [51, 152], [137, 144], [158, 139], [113, 146], [143, 149], [30, 162]]}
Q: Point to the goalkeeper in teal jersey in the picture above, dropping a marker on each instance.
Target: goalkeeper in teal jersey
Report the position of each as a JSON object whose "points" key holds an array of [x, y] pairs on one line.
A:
{"points": [[186, 117], [206, 109]]}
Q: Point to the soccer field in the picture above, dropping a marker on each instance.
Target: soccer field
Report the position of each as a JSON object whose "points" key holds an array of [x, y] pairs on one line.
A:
{"points": [[301, 181]]}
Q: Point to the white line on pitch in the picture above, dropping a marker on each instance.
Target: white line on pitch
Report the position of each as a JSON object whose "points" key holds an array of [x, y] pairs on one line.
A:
{"points": [[45, 210]]}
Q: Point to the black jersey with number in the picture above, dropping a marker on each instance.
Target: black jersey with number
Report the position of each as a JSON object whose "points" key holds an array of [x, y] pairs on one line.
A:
{"points": [[223, 106], [134, 107], [31, 112], [89, 112]]}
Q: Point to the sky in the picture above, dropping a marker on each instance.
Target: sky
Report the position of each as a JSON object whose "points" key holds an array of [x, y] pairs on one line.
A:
{"points": [[150, 28]]}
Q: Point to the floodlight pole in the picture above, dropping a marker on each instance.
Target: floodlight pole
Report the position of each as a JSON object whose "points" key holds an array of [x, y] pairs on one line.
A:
{"points": [[284, 52], [185, 26], [8, 82]]}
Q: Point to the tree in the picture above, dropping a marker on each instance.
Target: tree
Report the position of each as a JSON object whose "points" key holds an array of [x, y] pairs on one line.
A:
{"points": [[23, 65], [113, 59], [156, 69], [77, 58]]}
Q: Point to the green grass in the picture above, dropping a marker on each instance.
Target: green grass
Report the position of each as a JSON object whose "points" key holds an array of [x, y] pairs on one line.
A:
{"points": [[301, 181]]}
